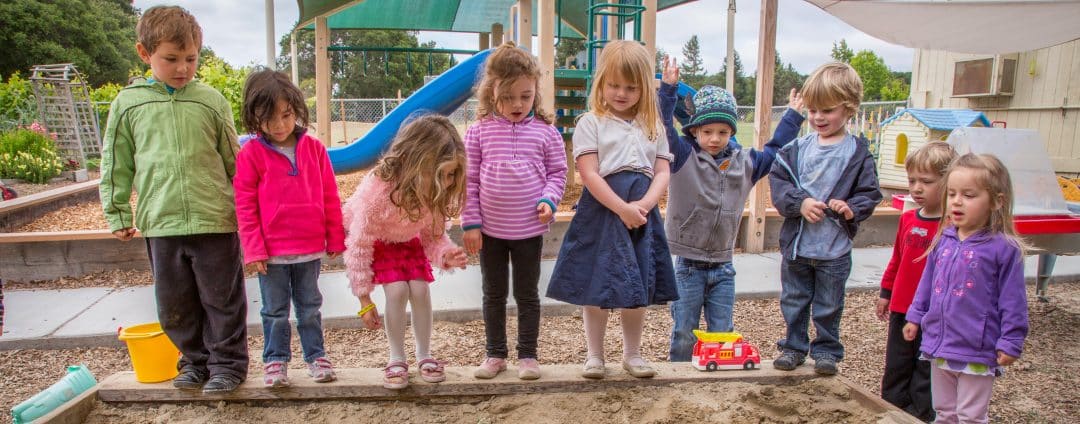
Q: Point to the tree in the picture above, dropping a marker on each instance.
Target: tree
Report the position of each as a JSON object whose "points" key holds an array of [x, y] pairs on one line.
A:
{"points": [[873, 72], [384, 74], [692, 67], [98, 36], [841, 52], [785, 77], [567, 50]]}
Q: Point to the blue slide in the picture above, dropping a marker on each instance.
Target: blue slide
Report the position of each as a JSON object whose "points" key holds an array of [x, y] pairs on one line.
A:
{"points": [[443, 95]]}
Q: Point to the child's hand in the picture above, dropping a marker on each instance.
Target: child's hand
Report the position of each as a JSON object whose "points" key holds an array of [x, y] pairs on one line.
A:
{"points": [[632, 215], [1005, 360], [795, 100], [124, 234], [332, 255], [841, 207], [544, 213], [670, 74], [455, 258], [473, 240], [812, 209], [258, 266], [910, 331], [882, 309], [370, 318]]}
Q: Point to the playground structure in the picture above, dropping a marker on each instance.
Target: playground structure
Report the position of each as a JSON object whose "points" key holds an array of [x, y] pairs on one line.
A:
{"points": [[908, 130], [65, 109]]}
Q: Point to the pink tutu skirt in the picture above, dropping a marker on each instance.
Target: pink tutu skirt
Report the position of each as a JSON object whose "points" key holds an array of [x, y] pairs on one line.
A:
{"points": [[406, 261]]}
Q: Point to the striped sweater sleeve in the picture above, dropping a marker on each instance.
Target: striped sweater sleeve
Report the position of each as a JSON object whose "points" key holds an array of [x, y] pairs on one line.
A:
{"points": [[556, 167], [470, 214]]}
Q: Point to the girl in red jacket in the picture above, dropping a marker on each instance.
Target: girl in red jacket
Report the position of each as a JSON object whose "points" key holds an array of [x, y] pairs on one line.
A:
{"points": [[289, 213]]}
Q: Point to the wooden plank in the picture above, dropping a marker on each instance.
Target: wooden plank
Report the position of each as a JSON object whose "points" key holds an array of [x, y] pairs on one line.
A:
{"points": [[57, 236], [366, 384], [73, 411], [46, 196], [322, 80], [874, 403], [754, 236]]}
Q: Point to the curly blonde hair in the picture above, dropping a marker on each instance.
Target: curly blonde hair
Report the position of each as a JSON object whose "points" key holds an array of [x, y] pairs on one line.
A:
{"points": [[628, 60], [506, 65], [424, 150]]}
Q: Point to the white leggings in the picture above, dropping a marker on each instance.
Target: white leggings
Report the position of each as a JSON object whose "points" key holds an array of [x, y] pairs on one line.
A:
{"points": [[417, 294], [633, 324]]}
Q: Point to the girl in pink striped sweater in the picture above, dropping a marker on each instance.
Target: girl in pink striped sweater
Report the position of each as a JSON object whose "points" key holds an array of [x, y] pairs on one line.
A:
{"points": [[515, 178], [396, 223]]}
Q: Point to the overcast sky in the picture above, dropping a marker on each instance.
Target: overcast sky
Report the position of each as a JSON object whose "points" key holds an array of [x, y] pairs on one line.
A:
{"points": [[235, 30]]}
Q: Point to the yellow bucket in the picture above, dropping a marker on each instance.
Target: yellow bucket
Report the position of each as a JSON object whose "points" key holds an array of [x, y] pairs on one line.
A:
{"points": [[153, 355]]}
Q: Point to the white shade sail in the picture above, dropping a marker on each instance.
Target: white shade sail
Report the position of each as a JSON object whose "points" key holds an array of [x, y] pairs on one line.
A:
{"points": [[962, 26]]}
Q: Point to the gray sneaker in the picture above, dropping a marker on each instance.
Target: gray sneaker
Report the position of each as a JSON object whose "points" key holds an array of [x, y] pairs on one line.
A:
{"points": [[221, 383], [825, 365], [788, 360]]}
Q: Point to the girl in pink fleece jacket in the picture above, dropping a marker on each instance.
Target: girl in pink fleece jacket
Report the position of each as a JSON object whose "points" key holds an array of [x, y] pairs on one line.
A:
{"points": [[289, 213], [397, 222]]}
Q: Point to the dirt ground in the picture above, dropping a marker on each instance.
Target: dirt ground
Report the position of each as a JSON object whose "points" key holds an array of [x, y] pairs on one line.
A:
{"points": [[1040, 387]]}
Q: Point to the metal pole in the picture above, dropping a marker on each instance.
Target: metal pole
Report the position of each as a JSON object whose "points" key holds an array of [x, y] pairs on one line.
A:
{"points": [[731, 47], [292, 59], [271, 56]]}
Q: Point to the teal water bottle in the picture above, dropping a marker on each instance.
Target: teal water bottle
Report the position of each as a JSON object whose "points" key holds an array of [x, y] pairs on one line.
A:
{"points": [[78, 380]]}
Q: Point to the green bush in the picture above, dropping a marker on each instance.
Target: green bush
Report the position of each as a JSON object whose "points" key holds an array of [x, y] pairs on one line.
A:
{"points": [[29, 154], [18, 106]]}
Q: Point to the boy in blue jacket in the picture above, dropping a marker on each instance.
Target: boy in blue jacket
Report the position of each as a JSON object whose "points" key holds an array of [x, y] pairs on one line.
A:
{"points": [[711, 179], [824, 184]]}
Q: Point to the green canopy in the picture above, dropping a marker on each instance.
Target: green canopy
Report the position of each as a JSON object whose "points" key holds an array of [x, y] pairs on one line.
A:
{"points": [[441, 15]]}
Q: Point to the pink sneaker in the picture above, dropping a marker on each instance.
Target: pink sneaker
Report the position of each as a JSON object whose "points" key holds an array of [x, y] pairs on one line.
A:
{"points": [[276, 374], [490, 368], [528, 369]]}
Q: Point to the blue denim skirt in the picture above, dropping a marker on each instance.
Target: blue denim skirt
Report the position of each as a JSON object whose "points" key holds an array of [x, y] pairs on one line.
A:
{"points": [[601, 263]]}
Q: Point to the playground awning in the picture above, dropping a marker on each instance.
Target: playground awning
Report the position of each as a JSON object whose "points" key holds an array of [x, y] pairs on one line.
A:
{"points": [[440, 15], [965, 26]]}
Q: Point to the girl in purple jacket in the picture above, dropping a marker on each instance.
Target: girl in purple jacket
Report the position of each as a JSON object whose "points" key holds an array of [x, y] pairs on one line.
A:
{"points": [[289, 213], [971, 304]]}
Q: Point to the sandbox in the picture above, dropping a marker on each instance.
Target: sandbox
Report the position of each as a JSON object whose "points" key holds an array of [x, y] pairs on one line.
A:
{"points": [[678, 394]]}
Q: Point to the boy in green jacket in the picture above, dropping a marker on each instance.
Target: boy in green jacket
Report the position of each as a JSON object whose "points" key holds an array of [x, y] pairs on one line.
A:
{"points": [[173, 140]]}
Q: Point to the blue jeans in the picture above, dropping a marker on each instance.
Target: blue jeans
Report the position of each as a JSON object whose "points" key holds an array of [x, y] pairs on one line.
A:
{"points": [[299, 283], [813, 288], [701, 284]]}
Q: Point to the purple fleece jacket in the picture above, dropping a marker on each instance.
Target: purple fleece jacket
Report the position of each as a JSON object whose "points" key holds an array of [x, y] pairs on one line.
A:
{"points": [[971, 301]]}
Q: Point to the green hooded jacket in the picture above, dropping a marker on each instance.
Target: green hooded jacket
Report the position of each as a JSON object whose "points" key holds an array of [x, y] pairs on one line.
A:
{"points": [[178, 151]]}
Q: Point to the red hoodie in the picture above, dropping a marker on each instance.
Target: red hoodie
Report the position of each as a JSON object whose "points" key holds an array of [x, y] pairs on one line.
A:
{"points": [[285, 208], [901, 278]]}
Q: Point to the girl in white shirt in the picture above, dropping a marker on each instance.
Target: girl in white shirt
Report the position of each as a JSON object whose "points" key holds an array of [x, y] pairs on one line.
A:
{"points": [[615, 254]]}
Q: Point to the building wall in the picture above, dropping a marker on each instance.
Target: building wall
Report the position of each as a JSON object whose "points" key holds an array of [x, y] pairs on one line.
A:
{"points": [[1047, 96]]}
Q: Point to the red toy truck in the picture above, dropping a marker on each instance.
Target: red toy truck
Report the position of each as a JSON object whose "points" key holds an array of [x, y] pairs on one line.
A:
{"points": [[715, 351]]}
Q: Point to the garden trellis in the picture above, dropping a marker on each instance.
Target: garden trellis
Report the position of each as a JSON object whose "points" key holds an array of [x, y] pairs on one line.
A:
{"points": [[65, 109]]}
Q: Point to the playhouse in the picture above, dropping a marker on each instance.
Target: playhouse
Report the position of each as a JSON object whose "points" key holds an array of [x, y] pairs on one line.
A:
{"points": [[908, 129]]}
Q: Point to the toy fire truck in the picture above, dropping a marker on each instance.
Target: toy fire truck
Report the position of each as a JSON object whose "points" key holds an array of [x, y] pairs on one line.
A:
{"points": [[715, 351]]}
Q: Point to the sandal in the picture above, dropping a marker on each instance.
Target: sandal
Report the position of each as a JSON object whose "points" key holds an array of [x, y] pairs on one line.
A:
{"points": [[396, 375], [432, 371]]}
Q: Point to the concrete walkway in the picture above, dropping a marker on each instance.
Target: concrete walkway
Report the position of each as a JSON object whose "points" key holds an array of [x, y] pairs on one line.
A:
{"points": [[44, 319]]}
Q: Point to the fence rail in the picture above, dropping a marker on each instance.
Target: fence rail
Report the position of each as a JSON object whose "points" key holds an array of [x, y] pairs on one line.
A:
{"points": [[352, 118]]}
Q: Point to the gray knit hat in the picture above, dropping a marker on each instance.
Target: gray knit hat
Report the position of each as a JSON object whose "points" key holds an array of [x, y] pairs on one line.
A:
{"points": [[712, 104]]}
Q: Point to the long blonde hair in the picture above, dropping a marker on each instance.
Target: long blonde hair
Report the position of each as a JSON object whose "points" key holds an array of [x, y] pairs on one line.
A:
{"points": [[993, 177], [630, 61], [423, 151], [504, 67]]}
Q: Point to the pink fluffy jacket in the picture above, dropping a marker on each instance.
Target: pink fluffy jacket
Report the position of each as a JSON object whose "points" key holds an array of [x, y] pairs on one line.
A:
{"points": [[370, 215]]}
